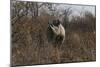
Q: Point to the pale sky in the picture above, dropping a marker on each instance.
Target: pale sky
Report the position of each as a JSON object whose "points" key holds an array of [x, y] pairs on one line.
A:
{"points": [[78, 8]]}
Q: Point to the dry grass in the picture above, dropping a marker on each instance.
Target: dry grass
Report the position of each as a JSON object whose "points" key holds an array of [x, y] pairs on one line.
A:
{"points": [[30, 45]]}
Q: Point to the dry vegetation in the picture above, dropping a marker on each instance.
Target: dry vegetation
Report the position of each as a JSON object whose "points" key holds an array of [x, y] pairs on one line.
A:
{"points": [[29, 43]]}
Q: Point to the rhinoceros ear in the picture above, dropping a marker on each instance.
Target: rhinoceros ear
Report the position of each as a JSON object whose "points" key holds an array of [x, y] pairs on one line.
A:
{"points": [[58, 21]]}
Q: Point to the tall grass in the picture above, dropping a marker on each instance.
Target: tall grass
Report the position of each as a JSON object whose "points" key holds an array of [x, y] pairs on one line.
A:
{"points": [[30, 45]]}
